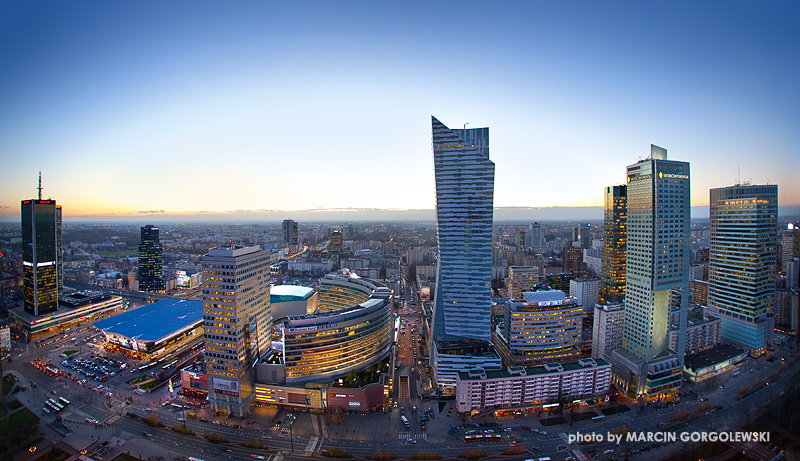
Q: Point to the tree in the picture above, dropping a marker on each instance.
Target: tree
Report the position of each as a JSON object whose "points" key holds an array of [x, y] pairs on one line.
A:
{"points": [[680, 415], [743, 390], [153, 421]]}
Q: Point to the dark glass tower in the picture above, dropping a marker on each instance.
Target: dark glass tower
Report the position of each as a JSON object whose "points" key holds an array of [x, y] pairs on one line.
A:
{"points": [[150, 260], [612, 275], [290, 232], [41, 255]]}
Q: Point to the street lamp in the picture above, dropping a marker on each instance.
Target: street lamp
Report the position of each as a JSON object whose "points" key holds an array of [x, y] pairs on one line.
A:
{"points": [[291, 435]]}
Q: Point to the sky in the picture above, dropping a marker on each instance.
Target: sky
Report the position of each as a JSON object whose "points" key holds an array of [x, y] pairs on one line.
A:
{"points": [[145, 109]]}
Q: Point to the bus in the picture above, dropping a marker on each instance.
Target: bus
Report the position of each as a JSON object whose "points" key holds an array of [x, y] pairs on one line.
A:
{"points": [[146, 366], [169, 365], [63, 401], [51, 370], [483, 438], [405, 421]]}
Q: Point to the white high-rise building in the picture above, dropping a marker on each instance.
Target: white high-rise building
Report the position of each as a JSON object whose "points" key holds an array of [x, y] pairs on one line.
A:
{"points": [[657, 260], [607, 328], [585, 291], [742, 263], [237, 322], [464, 210]]}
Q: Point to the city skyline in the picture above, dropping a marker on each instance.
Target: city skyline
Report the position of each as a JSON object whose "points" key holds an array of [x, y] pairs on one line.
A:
{"points": [[125, 108]]}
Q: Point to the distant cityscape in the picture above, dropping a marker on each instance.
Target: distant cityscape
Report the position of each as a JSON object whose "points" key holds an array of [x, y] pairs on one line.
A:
{"points": [[291, 326]]}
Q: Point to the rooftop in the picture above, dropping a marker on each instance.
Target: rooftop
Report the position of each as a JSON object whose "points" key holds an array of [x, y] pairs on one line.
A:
{"points": [[544, 296], [155, 321], [290, 293], [710, 357], [535, 370]]}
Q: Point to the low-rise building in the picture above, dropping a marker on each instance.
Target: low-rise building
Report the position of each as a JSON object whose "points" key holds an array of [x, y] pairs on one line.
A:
{"points": [[520, 387]]}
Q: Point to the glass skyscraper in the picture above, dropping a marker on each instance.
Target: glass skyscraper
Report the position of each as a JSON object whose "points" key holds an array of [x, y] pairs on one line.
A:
{"points": [[41, 255], [657, 261], [612, 275], [742, 263], [464, 211], [150, 261], [290, 232]]}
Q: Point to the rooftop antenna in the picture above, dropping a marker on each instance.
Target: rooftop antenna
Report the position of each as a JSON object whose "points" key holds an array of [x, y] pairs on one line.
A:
{"points": [[40, 184], [738, 176]]}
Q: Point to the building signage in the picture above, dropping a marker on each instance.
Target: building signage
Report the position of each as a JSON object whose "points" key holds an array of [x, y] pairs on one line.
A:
{"points": [[638, 177], [226, 387], [340, 395], [354, 404]]}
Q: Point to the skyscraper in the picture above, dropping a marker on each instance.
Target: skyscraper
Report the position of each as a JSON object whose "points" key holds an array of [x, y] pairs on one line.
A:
{"points": [[150, 261], [290, 231], [462, 303], [742, 263], [657, 260], [41, 254], [612, 275], [536, 235], [237, 323]]}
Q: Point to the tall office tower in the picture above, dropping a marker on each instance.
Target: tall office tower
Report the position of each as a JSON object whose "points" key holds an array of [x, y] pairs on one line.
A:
{"points": [[151, 279], [237, 322], [742, 263], [59, 250], [583, 234], [573, 259], [462, 303], [536, 236], [336, 241], [790, 246], [657, 260], [612, 275], [521, 240], [290, 231], [521, 279], [41, 254]]}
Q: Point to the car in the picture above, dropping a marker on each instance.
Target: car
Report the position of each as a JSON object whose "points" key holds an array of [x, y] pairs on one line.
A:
{"points": [[412, 441], [722, 387], [257, 457], [227, 450], [149, 410], [527, 428], [147, 434]]}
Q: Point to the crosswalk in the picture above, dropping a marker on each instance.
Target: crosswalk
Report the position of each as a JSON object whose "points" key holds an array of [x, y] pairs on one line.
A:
{"points": [[574, 448]]}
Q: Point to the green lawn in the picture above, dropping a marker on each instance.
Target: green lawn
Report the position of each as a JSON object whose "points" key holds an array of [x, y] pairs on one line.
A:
{"points": [[584, 416], [614, 410], [150, 385], [553, 421], [17, 420], [14, 404], [8, 383]]}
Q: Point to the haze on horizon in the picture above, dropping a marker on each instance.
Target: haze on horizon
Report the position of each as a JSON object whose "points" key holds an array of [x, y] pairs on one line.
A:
{"points": [[195, 109]]}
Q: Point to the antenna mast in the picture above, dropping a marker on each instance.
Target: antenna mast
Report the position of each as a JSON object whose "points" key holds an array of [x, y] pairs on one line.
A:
{"points": [[40, 184]]}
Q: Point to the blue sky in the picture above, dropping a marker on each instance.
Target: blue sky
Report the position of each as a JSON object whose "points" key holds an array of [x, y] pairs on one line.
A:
{"points": [[187, 107]]}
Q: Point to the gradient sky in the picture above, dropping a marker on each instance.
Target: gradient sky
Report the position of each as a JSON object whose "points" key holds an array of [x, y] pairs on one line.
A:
{"points": [[141, 106]]}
